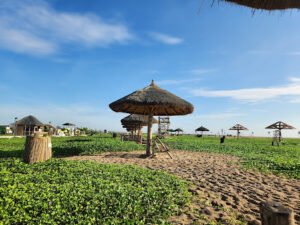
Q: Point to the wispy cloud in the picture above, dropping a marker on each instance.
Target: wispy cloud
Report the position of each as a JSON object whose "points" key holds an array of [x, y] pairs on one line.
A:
{"points": [[294, 53], [201, 71], [292, 89], [259, 52], [165, 39], [34, 27], [175, 82]]}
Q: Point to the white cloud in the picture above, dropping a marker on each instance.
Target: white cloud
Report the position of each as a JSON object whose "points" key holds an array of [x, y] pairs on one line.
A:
{"points": [[174, 82], [166, 39], [255, 94], [296, 53], [201, 71], [259, 52], [23, 42], [34, 27]]}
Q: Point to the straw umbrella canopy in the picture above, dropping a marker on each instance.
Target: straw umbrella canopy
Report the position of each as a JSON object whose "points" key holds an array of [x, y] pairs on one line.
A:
{"points": [[152, 101], [280, 126], [178, 130], [238, 128], [137, 119], [202, 129], [268, 4], [69, 125]]}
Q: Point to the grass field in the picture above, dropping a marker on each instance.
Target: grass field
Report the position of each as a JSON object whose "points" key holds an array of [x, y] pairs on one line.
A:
{"points": [[67, 146], [256, 153], [84, 192], [88, 192]]}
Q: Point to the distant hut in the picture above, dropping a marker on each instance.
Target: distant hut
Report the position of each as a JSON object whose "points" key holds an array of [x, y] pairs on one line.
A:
{"points": [[238, 128], [278, 126], [268, 4], [28, 126], [152, 101], [201, 129]]}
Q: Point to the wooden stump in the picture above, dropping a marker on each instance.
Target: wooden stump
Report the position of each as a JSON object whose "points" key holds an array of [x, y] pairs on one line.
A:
{"points": [[275, 214], [37, 149]]}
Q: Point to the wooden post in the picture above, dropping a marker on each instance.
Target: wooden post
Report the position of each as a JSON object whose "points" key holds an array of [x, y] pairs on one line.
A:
{"points": [[149, 135], [37, 149], [275, 214]]}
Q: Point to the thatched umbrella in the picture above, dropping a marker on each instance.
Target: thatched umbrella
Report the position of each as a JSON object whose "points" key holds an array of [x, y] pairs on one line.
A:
{"points": [[152, 101], [202, 129], [238, 128], [280, 126], [138, 121], [178, 130], [268, 4]]}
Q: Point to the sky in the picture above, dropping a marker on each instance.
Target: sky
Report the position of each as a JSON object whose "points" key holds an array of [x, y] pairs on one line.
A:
{"points": [[65, 61]]}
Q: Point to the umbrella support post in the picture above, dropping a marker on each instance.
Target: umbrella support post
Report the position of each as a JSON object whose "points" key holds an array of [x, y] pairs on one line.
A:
{"points": [[149, 135], [165, 147]]}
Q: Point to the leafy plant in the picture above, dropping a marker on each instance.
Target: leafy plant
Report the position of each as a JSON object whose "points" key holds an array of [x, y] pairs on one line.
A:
{"points": [[73, 192]]}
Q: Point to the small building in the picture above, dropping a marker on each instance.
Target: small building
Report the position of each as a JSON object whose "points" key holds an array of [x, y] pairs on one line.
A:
{"points": [[5, 129], [28, 126]]}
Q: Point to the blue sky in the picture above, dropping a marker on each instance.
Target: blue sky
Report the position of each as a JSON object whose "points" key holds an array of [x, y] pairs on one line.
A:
{"points": [[67, 60]]}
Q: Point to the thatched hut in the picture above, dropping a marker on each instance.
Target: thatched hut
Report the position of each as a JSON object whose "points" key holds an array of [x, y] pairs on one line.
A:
{"points": [[268, 4], [152, 101], [28, 125], [238, 128]]}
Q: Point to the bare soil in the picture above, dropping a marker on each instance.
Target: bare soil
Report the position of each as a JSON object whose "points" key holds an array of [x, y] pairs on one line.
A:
{"points": [[223, 191]]}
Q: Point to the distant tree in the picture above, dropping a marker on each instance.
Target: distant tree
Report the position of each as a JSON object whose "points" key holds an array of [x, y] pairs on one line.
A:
{"points": [[2, 130]]}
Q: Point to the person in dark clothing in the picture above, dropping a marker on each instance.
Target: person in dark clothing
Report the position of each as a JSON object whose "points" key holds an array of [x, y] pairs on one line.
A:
{"points": [[222, 139]]}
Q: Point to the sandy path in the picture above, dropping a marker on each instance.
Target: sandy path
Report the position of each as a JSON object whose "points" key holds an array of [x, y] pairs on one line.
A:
{"points": [[222, 190]]}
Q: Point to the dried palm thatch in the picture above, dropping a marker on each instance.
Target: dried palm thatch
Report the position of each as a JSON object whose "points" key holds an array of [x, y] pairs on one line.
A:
{"points": [[178, 130], [238, 128], [152, 101], [280, 126], [137, 119], [202, 129], [268, 4], [29, 121], [69, 125]]}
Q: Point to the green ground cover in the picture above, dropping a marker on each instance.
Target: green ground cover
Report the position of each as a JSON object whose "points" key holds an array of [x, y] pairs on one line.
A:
{"points": [[257, 153], [73, 192]]}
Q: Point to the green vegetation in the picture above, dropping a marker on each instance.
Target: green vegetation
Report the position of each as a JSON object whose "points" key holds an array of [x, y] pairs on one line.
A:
{"points": [[73, 192], [71, 146], [255, 153], [2, 130]]}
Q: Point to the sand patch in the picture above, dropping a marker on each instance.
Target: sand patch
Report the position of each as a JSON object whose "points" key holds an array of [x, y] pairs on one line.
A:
{"points": [[222, 190]]}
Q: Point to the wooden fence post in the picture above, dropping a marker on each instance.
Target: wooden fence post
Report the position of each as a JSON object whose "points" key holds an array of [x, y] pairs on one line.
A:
{"points": [[273, 213]]}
